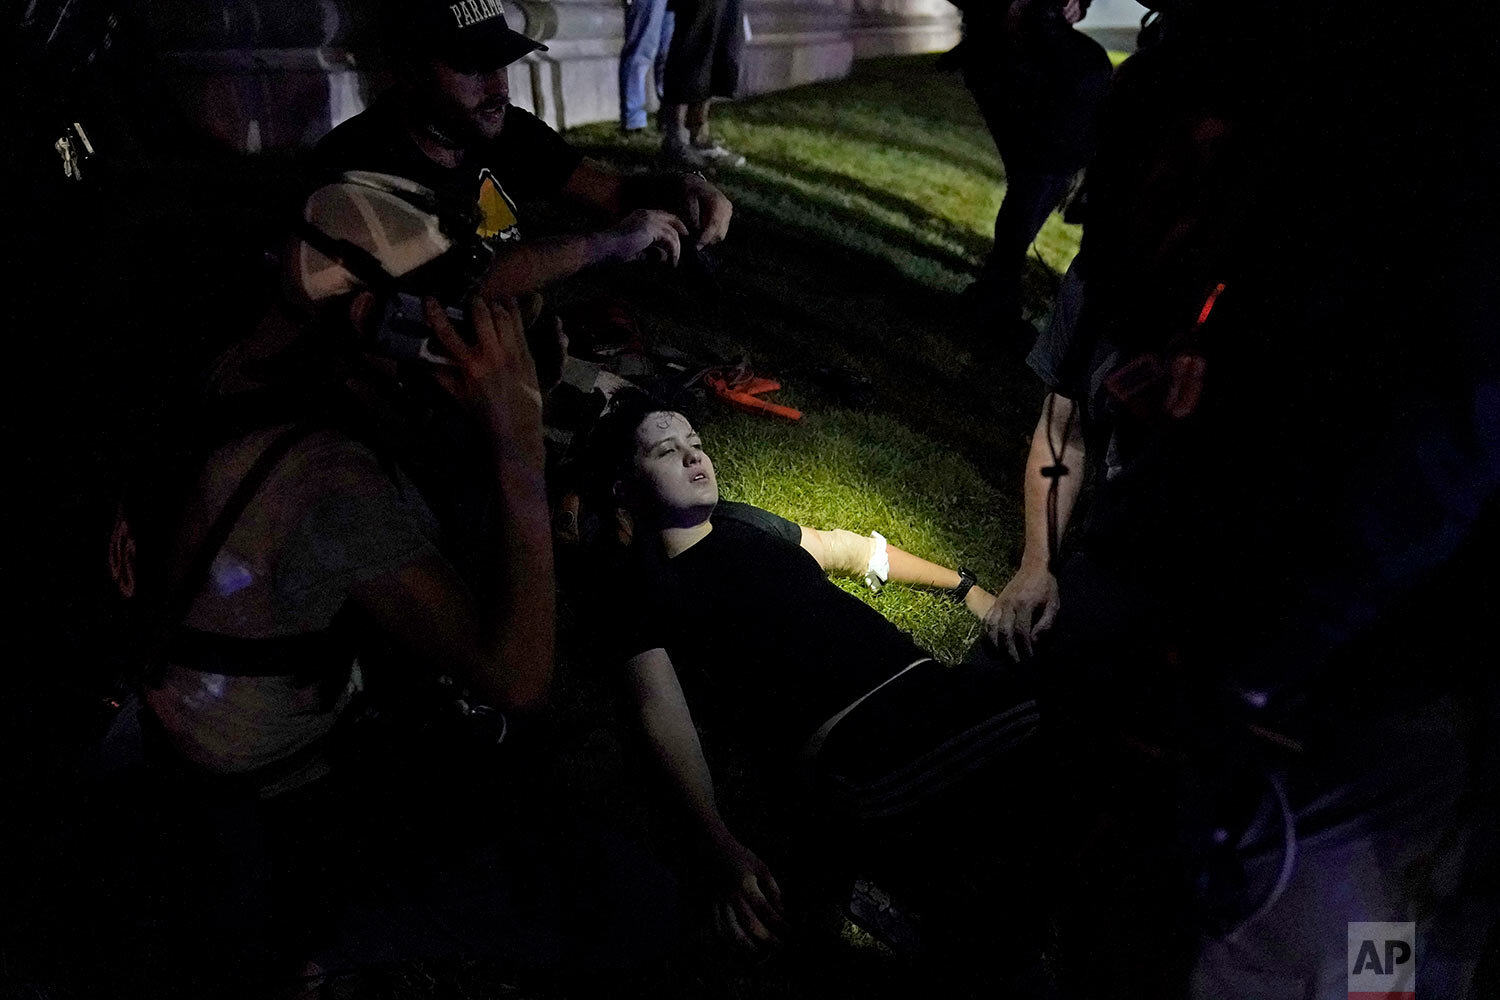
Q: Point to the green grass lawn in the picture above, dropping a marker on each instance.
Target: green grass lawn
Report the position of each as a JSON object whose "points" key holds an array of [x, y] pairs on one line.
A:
{"points": [[866, 205], [893, 162]]}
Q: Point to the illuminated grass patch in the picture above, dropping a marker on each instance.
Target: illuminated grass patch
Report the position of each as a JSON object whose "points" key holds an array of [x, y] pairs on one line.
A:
{"points": [[864, 472]]}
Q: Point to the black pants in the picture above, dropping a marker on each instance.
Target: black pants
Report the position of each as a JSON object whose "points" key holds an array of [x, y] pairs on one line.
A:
{"points": [[1043, 130], [707, 43], [928, 737], [930, 787], [1033, 188]]}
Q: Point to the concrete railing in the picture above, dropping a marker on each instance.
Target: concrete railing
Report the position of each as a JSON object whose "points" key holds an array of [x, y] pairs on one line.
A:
{"points": [[276, 74]]}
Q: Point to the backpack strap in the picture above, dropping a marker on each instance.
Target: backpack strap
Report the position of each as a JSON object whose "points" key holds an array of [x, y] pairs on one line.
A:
{"points": [[180, 599]]}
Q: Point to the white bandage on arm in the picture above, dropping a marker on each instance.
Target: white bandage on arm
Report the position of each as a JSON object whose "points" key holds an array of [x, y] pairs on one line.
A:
{"points": [[879, 569], [842, 552]]}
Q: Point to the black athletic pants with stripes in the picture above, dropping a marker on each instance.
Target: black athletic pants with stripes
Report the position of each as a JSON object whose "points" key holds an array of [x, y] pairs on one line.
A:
{"points": [[936, 779], [926, 736]]}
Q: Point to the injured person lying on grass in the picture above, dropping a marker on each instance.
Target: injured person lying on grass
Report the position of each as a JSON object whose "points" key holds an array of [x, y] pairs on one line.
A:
{"points": [[722, 613]]}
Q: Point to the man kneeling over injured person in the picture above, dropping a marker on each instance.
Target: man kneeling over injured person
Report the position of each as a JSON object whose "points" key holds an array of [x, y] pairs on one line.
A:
{"points": [[730, 611]]}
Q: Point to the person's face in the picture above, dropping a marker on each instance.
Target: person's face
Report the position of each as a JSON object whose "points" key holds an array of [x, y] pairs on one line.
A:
{"points": [[673, 474], [474, 103]]}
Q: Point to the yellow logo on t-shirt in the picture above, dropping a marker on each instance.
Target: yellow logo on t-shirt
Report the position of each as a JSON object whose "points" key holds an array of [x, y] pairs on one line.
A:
{"points": [[497, 214]]}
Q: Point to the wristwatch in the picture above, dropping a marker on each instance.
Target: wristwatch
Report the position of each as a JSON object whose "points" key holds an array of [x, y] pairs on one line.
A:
{"points": [[966, 580]]}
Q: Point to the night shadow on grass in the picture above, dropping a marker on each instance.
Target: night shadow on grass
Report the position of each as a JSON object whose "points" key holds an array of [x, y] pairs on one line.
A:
{"points": [[911, 238], [848, 227], [922, 219], [905, 87], [807, 307]]}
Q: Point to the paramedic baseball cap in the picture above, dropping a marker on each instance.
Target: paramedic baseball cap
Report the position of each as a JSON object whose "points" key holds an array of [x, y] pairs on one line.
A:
{"points": [[469, 35], [367, 230]]}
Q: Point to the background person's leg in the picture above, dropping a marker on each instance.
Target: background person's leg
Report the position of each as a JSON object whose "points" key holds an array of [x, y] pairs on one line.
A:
{"points": [[702, 141], [640, 52], [729, 48], [1035, 182], [696, 118], [1030, 196], [724, 81], [688, 79], [663, 46], [689, 58]]}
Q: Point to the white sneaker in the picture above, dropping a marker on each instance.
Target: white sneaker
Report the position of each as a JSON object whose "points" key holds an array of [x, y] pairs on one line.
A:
{"points": [[717, 154], [720, 157]]}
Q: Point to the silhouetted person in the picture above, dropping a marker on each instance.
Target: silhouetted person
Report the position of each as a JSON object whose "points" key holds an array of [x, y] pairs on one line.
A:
{"points": [[1263, 690], [1038, 83]]}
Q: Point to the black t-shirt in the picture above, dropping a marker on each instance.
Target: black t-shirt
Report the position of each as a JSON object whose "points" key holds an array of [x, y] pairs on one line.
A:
{"points": [[761, 640], [527, 160]]}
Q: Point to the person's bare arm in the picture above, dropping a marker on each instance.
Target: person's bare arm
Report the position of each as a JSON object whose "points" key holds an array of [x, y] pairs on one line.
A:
{"points": [[847, 554], [1028, 604], [530, 265], [595, 184], [701, 206], [502, 645], [653, 213], [748, 907]]}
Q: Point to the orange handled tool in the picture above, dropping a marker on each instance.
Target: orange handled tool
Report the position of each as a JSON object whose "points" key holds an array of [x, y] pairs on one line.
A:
{"points": [[746, 395]]}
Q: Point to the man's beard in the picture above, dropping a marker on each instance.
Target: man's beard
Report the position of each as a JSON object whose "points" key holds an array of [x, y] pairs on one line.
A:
{"points": [[488, 119], [458, 129]]}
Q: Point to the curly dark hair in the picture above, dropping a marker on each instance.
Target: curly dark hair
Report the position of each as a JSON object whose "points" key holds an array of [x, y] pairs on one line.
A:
{"points": [[611, 443]]}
